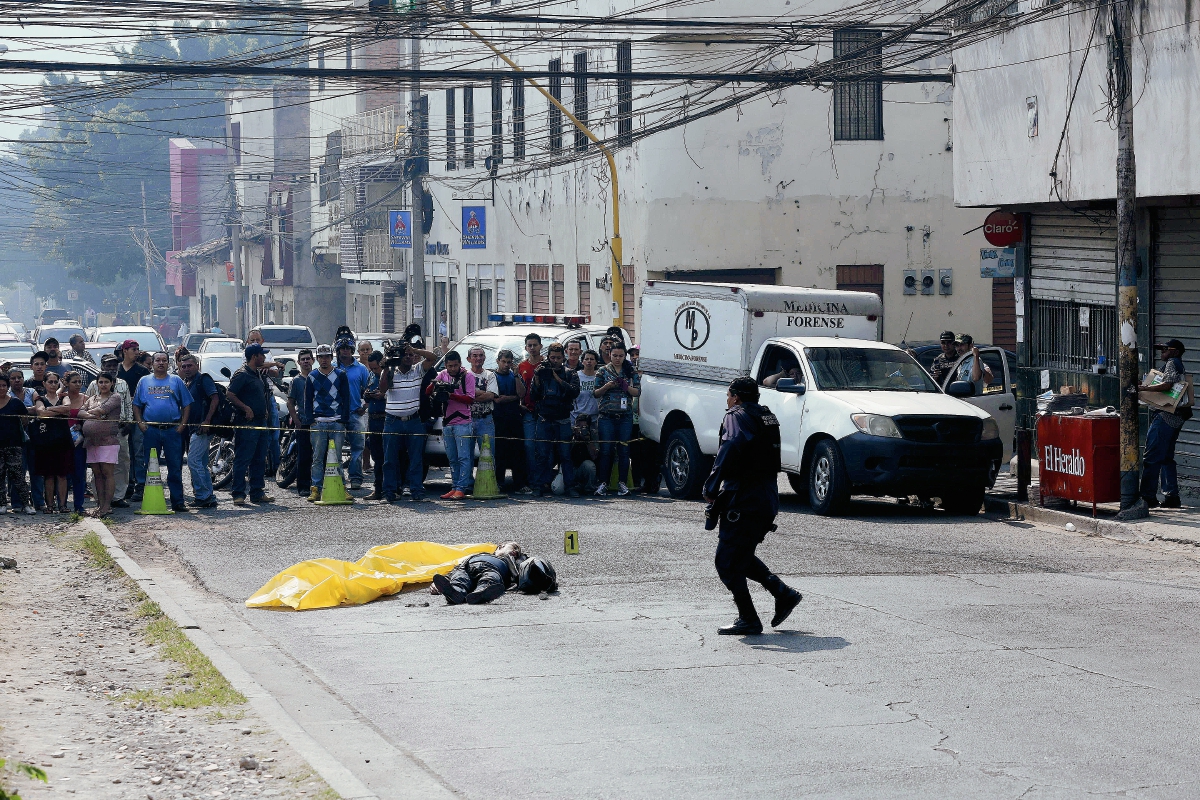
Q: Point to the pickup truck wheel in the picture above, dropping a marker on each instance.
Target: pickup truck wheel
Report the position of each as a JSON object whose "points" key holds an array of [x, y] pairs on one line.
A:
{"points": [[828, 489], [684, 465], [967, 502]]}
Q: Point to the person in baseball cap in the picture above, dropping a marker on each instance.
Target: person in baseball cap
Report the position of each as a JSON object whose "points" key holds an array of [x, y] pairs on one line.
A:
{"points": [[129, 344], [944, 360], [254, 350]]}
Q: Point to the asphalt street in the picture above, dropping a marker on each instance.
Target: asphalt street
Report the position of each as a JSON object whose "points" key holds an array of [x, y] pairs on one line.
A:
{"points": [[932, 655]]}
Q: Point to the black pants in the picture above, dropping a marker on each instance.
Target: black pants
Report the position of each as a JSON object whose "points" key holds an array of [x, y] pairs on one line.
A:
{"points": [[478, 579], [644, 463], [509, 451], [304, 457], [736, 561], [375, 445]]}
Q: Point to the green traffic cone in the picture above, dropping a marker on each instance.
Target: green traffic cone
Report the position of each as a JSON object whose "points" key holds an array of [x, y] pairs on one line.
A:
{"points": [[154, 502], [485, 476], [612, 479], [333, 493]]}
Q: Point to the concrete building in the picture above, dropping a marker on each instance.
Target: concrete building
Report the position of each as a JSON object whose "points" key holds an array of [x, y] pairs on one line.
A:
{"points": [[199, 204], [848, 188], [1033, 135]]}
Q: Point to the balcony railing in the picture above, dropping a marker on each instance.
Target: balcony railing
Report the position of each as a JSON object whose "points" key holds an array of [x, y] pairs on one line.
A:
{"points": [[376, 131]]}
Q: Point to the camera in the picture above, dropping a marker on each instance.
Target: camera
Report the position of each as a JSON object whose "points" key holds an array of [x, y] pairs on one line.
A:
{"points": [[394, 351]]}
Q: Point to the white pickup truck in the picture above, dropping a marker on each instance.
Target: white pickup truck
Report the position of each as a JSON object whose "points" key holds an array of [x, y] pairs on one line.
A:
{"points": [[857, 416]]}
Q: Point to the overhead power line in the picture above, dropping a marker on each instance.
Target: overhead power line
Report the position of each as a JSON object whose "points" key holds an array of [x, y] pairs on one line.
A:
{"points": [[182, 70]]}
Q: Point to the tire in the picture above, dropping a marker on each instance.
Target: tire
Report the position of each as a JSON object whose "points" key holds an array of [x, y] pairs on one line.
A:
{"points": [[220, 462], [967, 502], [684, 467], [799, 484], [828, 488], [287, 464]]}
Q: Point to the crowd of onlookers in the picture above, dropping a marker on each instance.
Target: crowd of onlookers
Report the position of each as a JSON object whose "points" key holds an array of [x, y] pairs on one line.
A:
{"points": [[556, 420]]}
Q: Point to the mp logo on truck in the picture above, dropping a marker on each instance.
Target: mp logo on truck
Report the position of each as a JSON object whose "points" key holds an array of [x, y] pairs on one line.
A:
{"points": [[691, 325], [1067, 463]]}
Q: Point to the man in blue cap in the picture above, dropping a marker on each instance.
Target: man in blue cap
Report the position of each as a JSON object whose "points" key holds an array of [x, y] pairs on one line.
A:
{"points": [[249, 396]]}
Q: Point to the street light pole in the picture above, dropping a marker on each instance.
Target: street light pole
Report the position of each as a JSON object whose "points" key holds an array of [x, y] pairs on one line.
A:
{"points": [[615, 242]]}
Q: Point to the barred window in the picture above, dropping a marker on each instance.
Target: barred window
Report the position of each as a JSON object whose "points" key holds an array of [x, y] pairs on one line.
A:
{"points": [[624, 95], [581, 100], [518, 118], [497, 120], [451, 144], [555, 116], [858, 105], [468, 126]]}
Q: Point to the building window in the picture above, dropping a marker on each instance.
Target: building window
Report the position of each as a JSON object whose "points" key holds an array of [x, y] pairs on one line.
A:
{"points": [[555, 115], [521, 273], [468, 126], [320, 65], [858, 106], [861, 278], [624, 95], [539, 288], [518, 118], [583, 276], [581, 100], [559, 289], [330, 185], [421, 123], [497, 121], [451, 144], [349, 53]]}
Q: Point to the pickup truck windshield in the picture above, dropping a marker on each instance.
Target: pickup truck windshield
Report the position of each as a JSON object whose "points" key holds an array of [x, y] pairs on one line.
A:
{"points": [[860, 369]]}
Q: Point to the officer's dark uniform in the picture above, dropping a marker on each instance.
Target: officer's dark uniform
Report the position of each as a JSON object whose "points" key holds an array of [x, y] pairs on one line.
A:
{"points": [[744, 481]]}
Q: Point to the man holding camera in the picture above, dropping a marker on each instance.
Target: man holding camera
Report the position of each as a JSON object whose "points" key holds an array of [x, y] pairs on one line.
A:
{"points": [[554, 391], [405, 364]]}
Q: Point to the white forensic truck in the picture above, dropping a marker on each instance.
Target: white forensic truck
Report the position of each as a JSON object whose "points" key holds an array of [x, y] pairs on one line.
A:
{"points": [[857, 416]]}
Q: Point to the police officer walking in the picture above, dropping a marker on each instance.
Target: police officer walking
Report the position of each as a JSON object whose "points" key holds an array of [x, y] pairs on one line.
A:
{"points": [[743, 494]]}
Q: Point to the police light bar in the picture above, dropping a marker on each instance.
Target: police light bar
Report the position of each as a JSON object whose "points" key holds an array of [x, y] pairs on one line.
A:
{"points": [[538, 319]]}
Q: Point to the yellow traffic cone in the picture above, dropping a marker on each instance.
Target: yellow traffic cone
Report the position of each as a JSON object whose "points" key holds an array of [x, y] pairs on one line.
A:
{"points": [[333, 493], [154, 502], [612, 478], [485, 476]]}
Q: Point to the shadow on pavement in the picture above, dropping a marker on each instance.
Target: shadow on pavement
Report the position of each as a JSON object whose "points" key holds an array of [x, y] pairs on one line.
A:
{"points": [[794, 642]]}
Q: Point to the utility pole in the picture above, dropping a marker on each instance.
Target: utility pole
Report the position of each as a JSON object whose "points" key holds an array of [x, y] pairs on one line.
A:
{"points": [[1132, 506], [146, 255], [235, 255], [418, 152]]}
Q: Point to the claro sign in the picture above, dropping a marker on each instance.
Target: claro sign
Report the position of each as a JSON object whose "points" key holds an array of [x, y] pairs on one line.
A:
{"points": [[1004, 229]]}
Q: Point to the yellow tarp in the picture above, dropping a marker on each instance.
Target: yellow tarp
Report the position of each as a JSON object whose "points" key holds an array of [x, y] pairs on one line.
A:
{"points": [[386, 569]]}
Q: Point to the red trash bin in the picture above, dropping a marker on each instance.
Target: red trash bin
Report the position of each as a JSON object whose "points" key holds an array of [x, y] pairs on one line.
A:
{"points": [[1079, 458]]}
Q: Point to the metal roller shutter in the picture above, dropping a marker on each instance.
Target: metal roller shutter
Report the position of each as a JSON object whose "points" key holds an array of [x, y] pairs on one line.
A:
{"points": [[1176, 309], [540, 288], [1074, 257]]}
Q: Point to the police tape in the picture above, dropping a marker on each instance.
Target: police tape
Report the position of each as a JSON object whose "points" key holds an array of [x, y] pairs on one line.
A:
{"points": [[231, 429]]}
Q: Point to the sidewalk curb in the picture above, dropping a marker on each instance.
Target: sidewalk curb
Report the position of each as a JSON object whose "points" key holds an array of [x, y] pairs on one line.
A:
{"points": [[403, 775], [1089, 526]]}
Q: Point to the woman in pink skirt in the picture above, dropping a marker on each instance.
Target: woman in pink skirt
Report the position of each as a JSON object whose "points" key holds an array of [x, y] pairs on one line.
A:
{"points": [[101, 416]]}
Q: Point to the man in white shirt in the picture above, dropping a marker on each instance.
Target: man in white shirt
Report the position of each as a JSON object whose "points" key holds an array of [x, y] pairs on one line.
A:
{"points": [[486, 390], [403, 430]]}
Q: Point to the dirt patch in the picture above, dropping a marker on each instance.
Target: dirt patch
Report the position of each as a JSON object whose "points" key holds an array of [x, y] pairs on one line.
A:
{"points": [[105, 694]]}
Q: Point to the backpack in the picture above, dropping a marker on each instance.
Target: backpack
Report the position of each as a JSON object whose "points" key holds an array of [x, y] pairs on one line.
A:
{"points": [[226, 415]]}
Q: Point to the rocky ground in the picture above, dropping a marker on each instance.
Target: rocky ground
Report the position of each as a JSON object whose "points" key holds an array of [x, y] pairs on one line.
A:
{"points": [[108, 697]]}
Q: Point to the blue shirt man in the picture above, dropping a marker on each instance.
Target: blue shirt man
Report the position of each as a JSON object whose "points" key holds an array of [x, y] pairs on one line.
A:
{"points": [[164, 399], [357, 378]]}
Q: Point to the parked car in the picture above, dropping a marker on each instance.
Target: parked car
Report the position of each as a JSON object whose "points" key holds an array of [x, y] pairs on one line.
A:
{"points": [[147, 338], [220, 344], [16, 329], [856, 415], [193, 340], [62, 331], [88, 371], [286, 339], [50, 315], [16, 351], [100, 349]]}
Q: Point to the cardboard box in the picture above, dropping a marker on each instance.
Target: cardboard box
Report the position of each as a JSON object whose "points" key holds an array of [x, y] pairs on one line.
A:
{"points": [[1170, 400]]}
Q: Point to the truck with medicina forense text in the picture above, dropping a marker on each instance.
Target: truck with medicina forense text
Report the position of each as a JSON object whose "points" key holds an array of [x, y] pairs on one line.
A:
{"points": [[857, 416]]}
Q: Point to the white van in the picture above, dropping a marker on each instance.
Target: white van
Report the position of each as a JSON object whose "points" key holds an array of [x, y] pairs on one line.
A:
{"points": [[857, 416]]}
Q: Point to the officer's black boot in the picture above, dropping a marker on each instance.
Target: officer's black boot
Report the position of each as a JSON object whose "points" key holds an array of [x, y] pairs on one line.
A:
{"points": [[786, 599], [747, 623]]}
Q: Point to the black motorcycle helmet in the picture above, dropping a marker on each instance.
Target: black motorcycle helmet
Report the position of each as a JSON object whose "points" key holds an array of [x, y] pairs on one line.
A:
{"points": [[537, 575]]}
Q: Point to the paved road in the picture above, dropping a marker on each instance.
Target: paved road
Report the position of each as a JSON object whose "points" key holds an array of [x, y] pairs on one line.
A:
{"points": [[932, 656]]}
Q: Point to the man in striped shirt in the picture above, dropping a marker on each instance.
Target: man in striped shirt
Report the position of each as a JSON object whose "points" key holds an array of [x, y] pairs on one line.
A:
{"points": [[403, 430]]}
